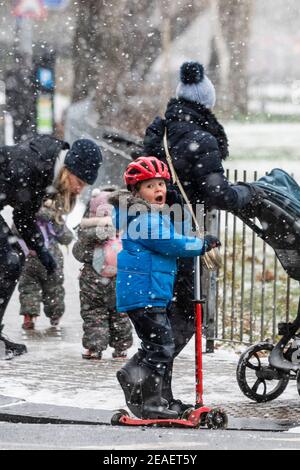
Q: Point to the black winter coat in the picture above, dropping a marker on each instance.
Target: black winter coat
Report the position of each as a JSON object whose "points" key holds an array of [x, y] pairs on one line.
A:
{"points": [[26, 170], [197, 143]]}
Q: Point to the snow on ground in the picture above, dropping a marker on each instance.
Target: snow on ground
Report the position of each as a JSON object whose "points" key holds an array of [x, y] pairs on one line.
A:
{"points": [[295, 430], [53, 371]]}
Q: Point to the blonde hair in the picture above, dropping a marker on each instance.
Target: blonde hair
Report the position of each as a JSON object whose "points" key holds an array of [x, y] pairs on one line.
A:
{"points": [[63, 200]]}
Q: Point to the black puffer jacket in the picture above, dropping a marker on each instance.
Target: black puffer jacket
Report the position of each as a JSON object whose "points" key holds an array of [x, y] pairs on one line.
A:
{"points": [[197, 143], [26, 170]]}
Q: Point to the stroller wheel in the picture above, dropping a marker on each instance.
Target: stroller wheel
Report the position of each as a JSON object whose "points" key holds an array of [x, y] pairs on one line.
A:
{"points": [[256, 378]]}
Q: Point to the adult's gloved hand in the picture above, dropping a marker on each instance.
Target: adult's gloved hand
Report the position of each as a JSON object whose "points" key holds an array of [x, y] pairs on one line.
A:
{"points": [[256, 194], [46, 259], [174, 196], [210, 242]]}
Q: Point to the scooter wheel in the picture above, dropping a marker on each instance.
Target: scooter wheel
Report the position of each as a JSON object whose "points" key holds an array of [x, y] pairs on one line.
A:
{"points": [[216, 419], [256, 378], [115, 419]]}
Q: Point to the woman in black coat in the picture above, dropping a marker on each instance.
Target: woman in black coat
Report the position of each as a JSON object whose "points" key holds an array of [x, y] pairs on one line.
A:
{"points": [[30, 171], [198, 145]]}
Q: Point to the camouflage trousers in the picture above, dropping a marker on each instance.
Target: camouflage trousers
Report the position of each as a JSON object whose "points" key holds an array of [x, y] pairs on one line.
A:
{"points": [[102, 325], [37, 287]]}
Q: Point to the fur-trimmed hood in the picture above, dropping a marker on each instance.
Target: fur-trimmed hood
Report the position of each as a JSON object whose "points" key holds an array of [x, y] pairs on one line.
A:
{"points": [[128, 207], [123, 199]]}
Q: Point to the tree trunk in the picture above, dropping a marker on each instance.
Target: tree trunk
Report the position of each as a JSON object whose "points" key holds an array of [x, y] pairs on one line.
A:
{"points": [[230, 50], [115, 45], [84, 48]]}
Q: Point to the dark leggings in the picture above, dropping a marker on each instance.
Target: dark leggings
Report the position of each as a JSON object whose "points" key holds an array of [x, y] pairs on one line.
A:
{"points": [[11, 261]]}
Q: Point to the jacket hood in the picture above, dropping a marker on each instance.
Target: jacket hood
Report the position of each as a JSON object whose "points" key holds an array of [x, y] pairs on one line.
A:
{"points": [[189, 114], [182, 110], [127, 207], [123, 199], [99, 202]]}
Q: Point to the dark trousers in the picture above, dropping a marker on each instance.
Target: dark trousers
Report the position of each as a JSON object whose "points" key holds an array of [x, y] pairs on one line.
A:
{"points": [[181, 317], [182, 310], [11, 261], [154, 329]]}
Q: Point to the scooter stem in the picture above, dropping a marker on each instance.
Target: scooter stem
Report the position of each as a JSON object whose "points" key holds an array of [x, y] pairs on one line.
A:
{"points": [[198, 332]]}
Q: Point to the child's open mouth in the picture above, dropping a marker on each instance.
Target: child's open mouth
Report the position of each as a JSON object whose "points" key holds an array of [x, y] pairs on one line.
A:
{"points": [[159, 199]]}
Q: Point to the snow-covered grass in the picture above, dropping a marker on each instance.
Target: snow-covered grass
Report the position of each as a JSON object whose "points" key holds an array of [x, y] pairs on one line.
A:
{"points": [[258, 146]]}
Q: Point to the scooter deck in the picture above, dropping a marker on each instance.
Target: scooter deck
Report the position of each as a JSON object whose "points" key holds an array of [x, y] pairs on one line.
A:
{"points": [[193, 421]]}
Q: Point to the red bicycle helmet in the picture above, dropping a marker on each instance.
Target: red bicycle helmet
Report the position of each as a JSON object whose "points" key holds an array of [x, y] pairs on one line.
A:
{"points": [[145, 168]]}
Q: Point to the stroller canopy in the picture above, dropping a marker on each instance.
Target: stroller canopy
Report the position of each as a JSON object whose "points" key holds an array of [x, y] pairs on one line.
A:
{"points": [[279, 216], [282, 189]]}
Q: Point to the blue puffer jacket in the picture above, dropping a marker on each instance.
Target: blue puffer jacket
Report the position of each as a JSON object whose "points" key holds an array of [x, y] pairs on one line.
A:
{"points": [[151, 246]]}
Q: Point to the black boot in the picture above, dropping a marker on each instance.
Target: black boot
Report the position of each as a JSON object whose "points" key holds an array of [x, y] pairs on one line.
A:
{"points": [[179, 406], [12, 349], [132, 378], [129, 375], [167, 394], [153, 405]]}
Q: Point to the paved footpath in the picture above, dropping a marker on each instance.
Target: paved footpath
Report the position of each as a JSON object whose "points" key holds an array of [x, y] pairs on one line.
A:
{"points": [[53, 382]]}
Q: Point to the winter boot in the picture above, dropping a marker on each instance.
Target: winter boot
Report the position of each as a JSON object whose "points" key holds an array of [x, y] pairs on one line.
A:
{"points": [[92, 355], [119, 354], [29, 322], [153, 406], [12, 349], [54, 320], [167, 394], [179, 406], [130, 377]]}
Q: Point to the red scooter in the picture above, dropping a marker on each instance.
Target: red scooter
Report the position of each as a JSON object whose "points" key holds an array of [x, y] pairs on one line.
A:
{"points": [[200, 416]]}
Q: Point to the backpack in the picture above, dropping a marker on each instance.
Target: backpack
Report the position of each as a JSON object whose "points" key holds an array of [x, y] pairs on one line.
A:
{"points": [[105, 257]]}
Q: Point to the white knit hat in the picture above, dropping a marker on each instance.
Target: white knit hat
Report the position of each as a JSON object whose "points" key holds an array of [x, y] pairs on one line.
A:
{"points": [[195, 86]]}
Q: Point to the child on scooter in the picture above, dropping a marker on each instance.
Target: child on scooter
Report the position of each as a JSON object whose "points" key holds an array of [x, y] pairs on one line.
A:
{"points": [[145, 280]]}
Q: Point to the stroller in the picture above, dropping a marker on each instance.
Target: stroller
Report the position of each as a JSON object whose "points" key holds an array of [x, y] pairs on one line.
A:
{"points": [[264, 369]]}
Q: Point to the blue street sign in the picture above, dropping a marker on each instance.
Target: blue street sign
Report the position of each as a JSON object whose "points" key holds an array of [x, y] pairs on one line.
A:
{"points": [[55, 4], [45, 78]]}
